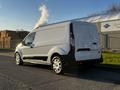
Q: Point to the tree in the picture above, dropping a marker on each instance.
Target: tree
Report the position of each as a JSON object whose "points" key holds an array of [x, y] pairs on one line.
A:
{"points": [[115, 8]]}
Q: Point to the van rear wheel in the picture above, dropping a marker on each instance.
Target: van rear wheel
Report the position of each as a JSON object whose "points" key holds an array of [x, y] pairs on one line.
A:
{"points": [[18, 59], [57, 64]]}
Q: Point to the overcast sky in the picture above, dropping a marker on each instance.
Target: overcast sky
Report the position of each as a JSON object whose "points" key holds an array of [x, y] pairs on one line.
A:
{"points": [[24, 14]]}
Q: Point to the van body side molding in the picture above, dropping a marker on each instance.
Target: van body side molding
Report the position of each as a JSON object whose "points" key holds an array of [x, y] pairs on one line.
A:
{"points": [[44, 58]]}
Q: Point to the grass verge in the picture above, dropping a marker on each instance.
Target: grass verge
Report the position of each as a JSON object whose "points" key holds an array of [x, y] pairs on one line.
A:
{"points": [[6, 52], [111, 60]]}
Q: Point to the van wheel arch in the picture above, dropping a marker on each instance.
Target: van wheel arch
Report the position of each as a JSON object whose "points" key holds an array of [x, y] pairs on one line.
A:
{"points": [[55, 54]]}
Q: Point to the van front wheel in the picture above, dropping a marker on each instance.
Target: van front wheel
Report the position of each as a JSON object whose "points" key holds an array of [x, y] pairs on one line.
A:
{"points": [[57, 64], [18, 59]]}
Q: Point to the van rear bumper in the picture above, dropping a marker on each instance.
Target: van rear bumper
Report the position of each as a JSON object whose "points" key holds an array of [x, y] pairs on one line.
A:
{"points": [[92, 61], [69, 60]]}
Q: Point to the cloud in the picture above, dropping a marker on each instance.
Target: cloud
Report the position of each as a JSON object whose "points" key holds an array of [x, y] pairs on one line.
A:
{"points": [[44, 16]]}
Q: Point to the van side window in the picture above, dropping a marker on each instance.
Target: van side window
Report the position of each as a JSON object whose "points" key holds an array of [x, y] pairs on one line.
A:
{"points": [[29, 39]]}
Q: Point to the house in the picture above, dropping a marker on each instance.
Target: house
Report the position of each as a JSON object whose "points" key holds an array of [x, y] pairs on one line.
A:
{"points": [[9, 38], [109, 28]]}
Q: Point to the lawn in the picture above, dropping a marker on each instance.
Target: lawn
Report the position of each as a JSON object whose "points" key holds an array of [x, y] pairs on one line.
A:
{"points": [[111, 58]]}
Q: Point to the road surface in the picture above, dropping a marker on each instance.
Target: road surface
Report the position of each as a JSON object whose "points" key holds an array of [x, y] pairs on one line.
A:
{"points": [[40, 77]]}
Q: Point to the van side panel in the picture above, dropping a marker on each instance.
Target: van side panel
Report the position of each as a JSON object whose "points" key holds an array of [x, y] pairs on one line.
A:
{"points": [[47, 39], [87, 44]]}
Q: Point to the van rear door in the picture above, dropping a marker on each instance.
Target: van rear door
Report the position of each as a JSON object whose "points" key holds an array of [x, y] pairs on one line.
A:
{"points": [[87, 44]]}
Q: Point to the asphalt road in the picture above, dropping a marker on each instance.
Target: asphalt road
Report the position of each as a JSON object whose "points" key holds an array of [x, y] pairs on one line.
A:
{"points": [[39, 77]]}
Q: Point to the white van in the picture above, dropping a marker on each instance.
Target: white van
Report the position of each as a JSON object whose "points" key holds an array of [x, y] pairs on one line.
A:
{"points": [[59, 44]]}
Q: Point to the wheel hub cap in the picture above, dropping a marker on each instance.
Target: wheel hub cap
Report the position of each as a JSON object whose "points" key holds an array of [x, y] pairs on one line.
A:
{"points": [[57, 65]]}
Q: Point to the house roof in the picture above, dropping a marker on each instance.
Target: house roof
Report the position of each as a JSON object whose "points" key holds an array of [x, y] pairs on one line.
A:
{"points": [[102, 17]]}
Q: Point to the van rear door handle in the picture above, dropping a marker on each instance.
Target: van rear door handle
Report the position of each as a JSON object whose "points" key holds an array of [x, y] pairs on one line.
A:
{"points": [[94, 43]]}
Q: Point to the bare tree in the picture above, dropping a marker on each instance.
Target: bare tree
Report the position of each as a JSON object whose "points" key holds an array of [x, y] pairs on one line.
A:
{"points": [[115, 8]]}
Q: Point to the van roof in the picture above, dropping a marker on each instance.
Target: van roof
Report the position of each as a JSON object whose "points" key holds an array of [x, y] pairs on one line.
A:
{"points": [[63, 22], [55, 23], [72, 20]]}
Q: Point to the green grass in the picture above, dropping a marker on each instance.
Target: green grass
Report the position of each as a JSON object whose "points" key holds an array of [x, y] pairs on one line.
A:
{"points": [[111, 58]]}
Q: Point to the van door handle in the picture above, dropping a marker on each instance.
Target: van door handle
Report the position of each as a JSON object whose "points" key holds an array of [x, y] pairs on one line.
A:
{"points": [[95, 43]]}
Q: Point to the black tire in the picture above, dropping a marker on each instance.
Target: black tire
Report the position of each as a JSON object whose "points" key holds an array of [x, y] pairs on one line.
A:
{"points": [[18, 59], [58, 64]]}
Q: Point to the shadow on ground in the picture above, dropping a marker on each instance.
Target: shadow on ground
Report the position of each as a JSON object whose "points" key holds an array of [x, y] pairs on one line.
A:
{"points": [[99, 74]]}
